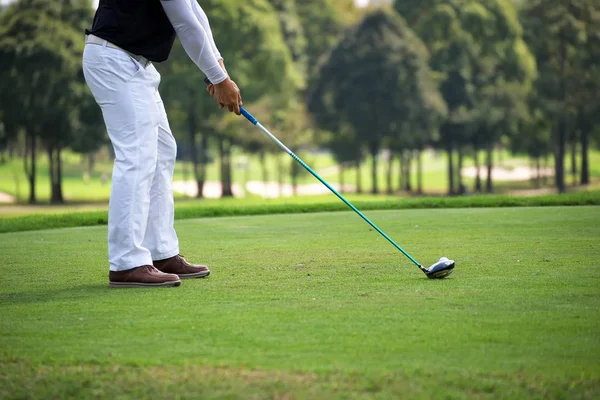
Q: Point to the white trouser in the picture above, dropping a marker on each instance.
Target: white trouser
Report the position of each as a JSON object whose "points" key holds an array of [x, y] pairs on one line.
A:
{"points": [[141, 209]]}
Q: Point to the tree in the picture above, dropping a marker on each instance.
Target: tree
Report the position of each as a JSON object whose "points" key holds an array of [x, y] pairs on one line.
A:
{"points": [[502, 109], [439, 25], [292, 31], [323, 23], [9, 120], [557, 31], [534, 138], [376, 82], [504, 70], [189, 110], [346, 150], [288, 117], [36, 33], [587, 86], [90, 132], [478, 47], [261, 65]]}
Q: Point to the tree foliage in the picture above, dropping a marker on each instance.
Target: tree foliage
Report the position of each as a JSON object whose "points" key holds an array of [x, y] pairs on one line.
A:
{"points": [[461, 75], [40, 77], [376, 83], [564, 37], [479, 49], [250, 38]]}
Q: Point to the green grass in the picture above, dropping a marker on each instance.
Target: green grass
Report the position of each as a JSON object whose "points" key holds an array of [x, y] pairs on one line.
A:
{"points": [[185, 204], [75, 189], [435, 172], [35, 218], [314, 306]]}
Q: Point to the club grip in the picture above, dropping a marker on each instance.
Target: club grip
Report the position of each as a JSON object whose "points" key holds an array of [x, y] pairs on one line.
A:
{"points": [[248, 116], [244, 112]]}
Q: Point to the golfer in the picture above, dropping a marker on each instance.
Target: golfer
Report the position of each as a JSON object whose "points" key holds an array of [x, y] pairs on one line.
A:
{"points": [[126, 37]]}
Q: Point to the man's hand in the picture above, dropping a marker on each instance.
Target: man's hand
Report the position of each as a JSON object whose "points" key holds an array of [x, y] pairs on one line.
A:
{"points": [[227, 94], [211, 90]]}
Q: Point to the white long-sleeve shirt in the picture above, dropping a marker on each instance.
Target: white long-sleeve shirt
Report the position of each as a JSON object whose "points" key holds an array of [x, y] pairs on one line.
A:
{"points": [[193, 30]]}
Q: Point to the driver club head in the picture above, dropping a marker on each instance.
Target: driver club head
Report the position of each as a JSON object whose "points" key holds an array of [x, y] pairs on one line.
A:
{"points": [[440, 269]]}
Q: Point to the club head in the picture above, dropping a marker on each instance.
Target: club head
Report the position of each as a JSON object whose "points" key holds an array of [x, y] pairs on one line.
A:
{"points": [[440, 269]]}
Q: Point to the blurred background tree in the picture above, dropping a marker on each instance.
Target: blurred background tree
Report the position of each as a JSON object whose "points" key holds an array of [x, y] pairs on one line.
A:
{"points": [[564, 37], [41, 79], [250, 39], [377, 83], [487, 68], [474, 79]]}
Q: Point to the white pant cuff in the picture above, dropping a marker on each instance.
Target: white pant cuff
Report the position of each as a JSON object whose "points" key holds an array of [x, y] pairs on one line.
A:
{"points": [[164, 256], [117, 268]]}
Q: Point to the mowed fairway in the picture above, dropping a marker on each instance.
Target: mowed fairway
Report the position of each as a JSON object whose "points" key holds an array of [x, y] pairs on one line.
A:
{"points": [[314, 306]]}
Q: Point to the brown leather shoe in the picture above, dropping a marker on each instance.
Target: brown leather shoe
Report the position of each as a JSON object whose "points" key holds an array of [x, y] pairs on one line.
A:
{"points": [[178, 265], [144, 276]]}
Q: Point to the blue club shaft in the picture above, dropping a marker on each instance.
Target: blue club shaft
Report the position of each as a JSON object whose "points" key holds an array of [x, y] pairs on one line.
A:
{"points": [[254, 121]]}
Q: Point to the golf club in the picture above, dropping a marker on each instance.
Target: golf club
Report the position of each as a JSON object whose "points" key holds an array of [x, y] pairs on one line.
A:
{"points": [[439, 270]]}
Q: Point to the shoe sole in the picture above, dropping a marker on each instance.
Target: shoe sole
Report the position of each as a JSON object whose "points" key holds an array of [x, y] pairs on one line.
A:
{"points": [[142, 285], [194, 275]]}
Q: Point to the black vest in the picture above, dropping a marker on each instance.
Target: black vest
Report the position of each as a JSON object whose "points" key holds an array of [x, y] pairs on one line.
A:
{"points": [[138, 26]]}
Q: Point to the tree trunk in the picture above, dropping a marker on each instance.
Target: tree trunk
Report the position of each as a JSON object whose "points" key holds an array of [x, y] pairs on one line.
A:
{"points": [[265, 170], [574, 161], [57, 195], [559, 153], [15, 174], [388, 177], [450, 168], [420, 172], [341, 177], [90, 160], [374, 149], [30, 166], [225, 156], [459, 181], [544, 176], [11, 150], [477, 171], [401, 169], [200, 169], [407, 168], [185, 170], [585, 168], [490, 164], [193, 151], [51, 174], [59, 172], [358, 172], [247, 170], [228, 169], [294, 173], [279, 175], [559, 157], [538, 179], [4, 144]]}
